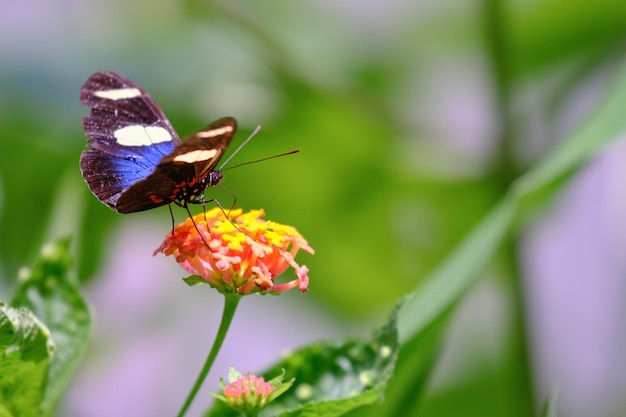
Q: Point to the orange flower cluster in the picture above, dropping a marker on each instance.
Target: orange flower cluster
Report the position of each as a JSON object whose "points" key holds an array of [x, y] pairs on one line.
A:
{"points": [[242, 254]]}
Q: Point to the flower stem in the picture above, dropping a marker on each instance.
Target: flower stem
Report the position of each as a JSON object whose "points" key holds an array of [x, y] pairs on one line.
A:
{"points": [[230, 306]]}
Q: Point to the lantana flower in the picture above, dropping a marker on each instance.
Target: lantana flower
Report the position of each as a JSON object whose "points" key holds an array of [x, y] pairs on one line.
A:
{"points": [[250, 389], [249, 393], [238, 255], [242, 255]]}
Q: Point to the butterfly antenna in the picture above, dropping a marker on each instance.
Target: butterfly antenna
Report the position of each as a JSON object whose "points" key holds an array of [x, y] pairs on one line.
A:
{"points": [[262, 159], [239, 148], [256, 160]]}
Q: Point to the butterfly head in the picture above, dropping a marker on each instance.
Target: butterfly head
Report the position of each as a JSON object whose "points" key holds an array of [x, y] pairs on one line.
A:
{"points": [[193, 192], [214, 178]]}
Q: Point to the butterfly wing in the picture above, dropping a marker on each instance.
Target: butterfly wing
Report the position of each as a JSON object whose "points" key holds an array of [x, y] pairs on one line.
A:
{"points": [[183, 175], [204, 149], [129, 135]]}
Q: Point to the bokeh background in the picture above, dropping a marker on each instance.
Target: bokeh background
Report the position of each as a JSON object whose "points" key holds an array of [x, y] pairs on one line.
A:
{"points": [[413, 117]]}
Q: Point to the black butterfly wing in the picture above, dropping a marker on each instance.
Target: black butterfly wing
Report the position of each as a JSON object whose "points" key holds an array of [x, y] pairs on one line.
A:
{"points": [[181, 176], [129, 135]]}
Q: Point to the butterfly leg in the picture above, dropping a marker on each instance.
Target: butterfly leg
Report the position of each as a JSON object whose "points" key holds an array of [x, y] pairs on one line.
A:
{"points": [[169, 206], [186, 206], [217, 203], [230, 194]]}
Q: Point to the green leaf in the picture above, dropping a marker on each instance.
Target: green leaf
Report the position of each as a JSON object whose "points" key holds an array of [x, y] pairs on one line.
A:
{"points": [[27, 350], [194, 280], [52, 294], [281, 386], [587, 29], [333, 377], [448, 282], [443, 288], [453, 277], [549, 408]]}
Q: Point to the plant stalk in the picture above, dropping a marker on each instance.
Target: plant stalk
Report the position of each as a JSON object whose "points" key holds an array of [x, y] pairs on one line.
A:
{"points": [[230, 306]]}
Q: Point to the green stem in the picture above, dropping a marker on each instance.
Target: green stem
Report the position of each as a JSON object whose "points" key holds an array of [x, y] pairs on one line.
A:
{"points": [[230, 306], [501, 53]]}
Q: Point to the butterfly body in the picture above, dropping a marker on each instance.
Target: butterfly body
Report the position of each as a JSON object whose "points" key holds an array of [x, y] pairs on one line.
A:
{"points": [[137, 161]]}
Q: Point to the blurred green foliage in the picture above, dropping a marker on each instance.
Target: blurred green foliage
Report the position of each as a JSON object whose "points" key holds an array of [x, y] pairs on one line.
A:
{"points": [[368, 189], [44, 333]]}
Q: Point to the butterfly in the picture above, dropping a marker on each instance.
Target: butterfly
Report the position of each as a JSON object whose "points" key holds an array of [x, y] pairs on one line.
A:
{"points": [[137, 161]]}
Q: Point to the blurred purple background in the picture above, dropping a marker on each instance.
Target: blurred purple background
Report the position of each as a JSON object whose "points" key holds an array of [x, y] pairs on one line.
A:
{"points": [[152, 332]]}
